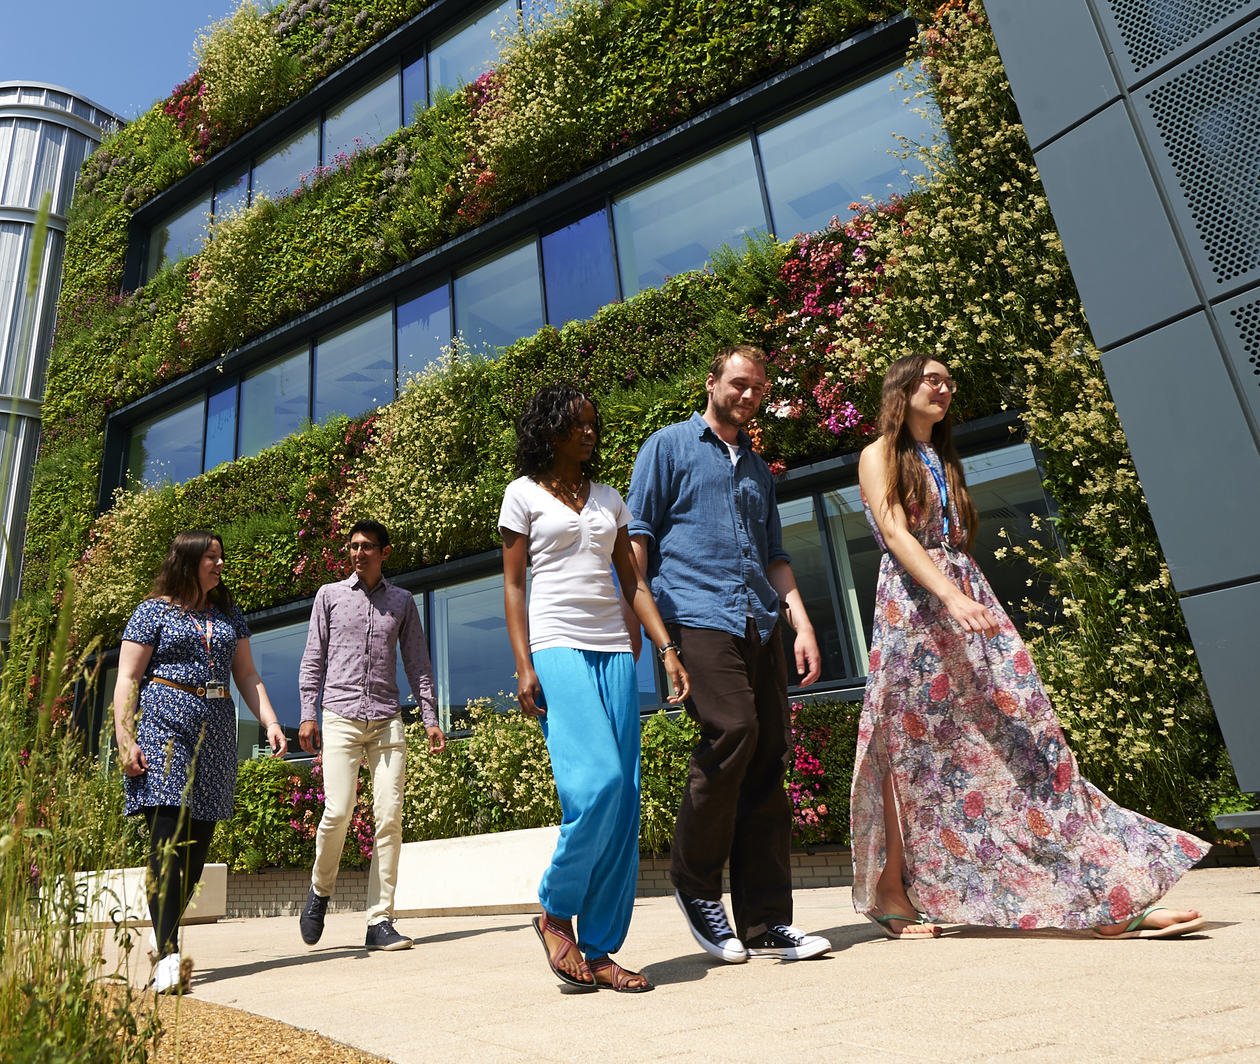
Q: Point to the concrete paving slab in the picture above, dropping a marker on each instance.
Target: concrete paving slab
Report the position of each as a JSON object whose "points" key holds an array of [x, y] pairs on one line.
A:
{"points": [[476, 988]]}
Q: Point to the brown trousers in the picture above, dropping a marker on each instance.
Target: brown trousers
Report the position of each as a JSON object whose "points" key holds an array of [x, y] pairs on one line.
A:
{"points": [[735, 806]]}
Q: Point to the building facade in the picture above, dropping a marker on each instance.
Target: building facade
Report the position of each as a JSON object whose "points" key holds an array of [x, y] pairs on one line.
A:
{"points": [[46, 132]]}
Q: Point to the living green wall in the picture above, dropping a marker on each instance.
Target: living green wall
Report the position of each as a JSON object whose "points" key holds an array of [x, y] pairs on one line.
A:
{"points": [[968, 266]]}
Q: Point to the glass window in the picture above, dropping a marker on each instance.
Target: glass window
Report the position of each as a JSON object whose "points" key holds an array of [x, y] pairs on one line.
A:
{"points": [[500, 300], [231, 193], [414, 95], [810, 565], [468, 51], [472, 657], [424, 328], [167, 449], [354, 366], [275, 401], [221, 427], [365, 119], [276, 173], [179, 236], [822, 159], [1006, 490], [277, 653], [674, 223], [579, 274]]}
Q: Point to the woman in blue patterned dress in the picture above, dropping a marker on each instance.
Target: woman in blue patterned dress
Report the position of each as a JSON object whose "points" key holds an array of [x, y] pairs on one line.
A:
{"points": [[179, 752], [966, 796]]}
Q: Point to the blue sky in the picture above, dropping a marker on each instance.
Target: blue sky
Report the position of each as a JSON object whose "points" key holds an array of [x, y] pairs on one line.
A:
{"points": [[122, 54]]}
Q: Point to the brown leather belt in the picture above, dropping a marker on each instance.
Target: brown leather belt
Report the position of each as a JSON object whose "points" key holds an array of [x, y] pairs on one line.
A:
{"points": [[200, 692]]}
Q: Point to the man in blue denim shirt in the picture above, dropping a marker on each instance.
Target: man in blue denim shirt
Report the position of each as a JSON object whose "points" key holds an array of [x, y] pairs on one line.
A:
{"points": [[707, 534]]}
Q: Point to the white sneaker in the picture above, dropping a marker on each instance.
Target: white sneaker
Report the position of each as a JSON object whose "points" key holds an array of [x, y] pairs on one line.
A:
{"points": [[710, 927], [166, 975], [787, 943]]}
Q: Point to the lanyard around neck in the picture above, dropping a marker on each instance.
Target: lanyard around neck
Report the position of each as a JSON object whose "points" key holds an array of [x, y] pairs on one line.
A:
{"points": [[942, 489]]}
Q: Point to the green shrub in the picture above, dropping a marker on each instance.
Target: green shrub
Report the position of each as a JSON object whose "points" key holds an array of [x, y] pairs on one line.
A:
{"points": [[668, 740]]}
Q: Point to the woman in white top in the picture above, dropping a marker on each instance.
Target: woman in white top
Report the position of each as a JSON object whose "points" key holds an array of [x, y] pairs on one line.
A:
{"points": [[575, 672]]}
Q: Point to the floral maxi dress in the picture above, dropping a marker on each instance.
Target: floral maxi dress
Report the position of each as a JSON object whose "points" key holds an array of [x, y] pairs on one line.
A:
{"points": [[999, 827]]}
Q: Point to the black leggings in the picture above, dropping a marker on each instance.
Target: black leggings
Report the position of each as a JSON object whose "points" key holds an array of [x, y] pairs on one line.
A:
{"points": [[177, 854]]}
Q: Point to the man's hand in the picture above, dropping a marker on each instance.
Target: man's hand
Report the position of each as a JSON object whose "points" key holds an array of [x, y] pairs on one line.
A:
{"points": [[437, 738], [808, 657], [309, 738]]}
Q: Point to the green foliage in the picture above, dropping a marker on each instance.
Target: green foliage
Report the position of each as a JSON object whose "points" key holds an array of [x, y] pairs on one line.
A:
{"points": [[259, 834], [668, 740]]}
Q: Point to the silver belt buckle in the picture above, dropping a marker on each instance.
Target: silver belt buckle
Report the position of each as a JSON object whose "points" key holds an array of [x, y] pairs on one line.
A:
{"points": [[216, 690]]}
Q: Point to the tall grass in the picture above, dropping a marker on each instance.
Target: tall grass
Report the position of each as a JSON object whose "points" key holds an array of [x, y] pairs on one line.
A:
{"points": [[61, 814]]}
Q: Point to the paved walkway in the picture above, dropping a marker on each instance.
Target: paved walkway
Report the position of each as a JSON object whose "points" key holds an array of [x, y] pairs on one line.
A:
{"points": [[475, 988]]}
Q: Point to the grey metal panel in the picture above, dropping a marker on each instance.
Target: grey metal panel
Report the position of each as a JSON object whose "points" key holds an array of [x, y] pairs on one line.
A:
{"points": [[1145, 35], [1055, 61], [1196, 458], [1223, 628], [1202, 122], [1239, 323], [1126, 263]]}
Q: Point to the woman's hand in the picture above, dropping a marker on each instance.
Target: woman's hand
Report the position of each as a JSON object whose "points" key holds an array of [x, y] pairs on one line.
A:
{"points": [[277, 738], [529, 694], [678, 677], [131, 758], [972, 616]]}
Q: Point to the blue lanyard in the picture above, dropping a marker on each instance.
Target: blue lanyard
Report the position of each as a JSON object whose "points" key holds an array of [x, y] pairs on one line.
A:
{"points": [[942, 489]]}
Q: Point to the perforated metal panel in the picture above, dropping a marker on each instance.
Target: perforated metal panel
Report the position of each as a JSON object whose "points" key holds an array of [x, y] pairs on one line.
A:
{"points": [[1206, 115], [1239, 321], [1153, 31]]}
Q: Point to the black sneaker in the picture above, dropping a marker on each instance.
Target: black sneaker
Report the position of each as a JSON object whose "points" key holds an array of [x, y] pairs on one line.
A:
{"points": [[711, 928], [383, 936], [788, 943], [311, 922]]}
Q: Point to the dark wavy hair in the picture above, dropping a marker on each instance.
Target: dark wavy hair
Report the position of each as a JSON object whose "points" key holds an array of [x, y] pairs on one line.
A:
{"points": [[907, 481], [177, 579], [550, 414]]}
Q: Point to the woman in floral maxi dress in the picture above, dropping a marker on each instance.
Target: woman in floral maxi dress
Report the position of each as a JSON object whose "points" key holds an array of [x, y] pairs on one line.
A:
{"points": [[966, 796]]}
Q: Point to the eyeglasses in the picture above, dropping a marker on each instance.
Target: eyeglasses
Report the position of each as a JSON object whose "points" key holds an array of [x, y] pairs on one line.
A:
{"points": [[935, 380]]}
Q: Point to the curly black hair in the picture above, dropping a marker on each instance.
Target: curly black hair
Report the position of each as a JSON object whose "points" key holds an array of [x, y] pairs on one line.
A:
{"points": [[550, 414]]}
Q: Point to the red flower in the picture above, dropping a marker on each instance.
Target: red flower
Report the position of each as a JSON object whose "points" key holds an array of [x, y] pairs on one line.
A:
{"points": [[1190, 847], [1028, 923], [875, 656], [892, 613], [1120, 902], [940, 687], [953, 843], [973, 804], [1038, 823], [1007, 703], [1062, 776], [1023, 663], [915, 726]]}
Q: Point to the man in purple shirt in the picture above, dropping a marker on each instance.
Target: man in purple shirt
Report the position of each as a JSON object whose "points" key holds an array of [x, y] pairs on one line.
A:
{"points": [[358, 626]]}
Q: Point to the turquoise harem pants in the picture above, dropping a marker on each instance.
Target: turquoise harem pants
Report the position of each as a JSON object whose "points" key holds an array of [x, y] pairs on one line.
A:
{"points": [[592, 732]]}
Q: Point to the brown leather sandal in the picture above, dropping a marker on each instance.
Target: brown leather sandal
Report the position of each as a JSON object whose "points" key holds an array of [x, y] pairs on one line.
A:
{"points": [[618, 978], [544, 926]]}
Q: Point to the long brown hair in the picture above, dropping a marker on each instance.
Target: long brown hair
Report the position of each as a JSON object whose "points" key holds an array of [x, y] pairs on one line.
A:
{"points": [[907, 483], [177, 580]]}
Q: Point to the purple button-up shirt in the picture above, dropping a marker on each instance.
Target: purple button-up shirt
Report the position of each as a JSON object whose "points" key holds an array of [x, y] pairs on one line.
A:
{"points": [[351, 657]]}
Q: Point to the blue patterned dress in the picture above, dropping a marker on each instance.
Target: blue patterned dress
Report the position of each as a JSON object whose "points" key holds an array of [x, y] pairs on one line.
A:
{"points": [[1000, 828], [177, 730]]}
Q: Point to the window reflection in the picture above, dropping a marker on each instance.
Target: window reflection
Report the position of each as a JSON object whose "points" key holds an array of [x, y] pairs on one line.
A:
{"points": [[365, 119], [277, 653], [468, 51], [579, 274], [220, 427], [167, 449], [820, 160], [354, 366], [673, 224], [181, 235], [424, 328], [231, 194], [276, 173], [472, 657], [499, 300], [415, 96], [275, 401], [803, 541]]}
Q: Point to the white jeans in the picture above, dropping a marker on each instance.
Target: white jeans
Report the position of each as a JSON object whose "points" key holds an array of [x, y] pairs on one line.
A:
{"points": [[347, 743]]}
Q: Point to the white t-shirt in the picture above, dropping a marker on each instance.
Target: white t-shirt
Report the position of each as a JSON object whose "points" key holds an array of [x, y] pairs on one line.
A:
{"points": [[572, 599]]}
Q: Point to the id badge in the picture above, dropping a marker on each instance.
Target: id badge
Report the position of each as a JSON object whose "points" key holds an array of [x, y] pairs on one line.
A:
{"points": [[215, 689]]}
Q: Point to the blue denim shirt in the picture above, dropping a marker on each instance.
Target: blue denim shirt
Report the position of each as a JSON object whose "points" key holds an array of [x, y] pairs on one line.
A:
{"points": [[712, 529]]}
